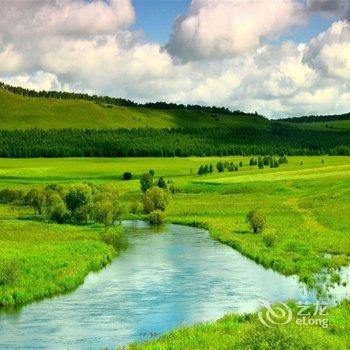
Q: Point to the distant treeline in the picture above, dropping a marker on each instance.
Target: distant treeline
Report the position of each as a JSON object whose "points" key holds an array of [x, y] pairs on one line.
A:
{"points": [[120, 101], [317, 118], [278, 139]]}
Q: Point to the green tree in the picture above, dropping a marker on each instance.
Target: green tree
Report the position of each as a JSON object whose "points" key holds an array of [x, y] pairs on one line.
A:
{"points": [[56, 209], [156, 217], [256, 220], [161, 183], [106, 212], [220, 167], [146, 182], [201, 170], [155, 198], [127, 175], [36, 199], [78, 196]]}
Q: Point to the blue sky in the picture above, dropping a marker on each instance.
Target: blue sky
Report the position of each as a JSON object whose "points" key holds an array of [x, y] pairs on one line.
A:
{"points": [[155, 18]]}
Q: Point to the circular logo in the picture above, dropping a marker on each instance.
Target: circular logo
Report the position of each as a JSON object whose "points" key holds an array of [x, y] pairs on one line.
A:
{"points": [[270, 316]]}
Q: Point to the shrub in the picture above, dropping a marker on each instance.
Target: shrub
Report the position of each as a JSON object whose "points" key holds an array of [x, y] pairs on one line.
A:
{"points": [[106, 212], [9, 272], [134, 207], [36, 199], [256, 220], [146, 182], [10, 196], [56, 209], [81, 215], [78, 196], [269, 240], [161, 183], [151, 172], [113, 237], [127, 175], [220, 167], [154, 198], [156, 217]]}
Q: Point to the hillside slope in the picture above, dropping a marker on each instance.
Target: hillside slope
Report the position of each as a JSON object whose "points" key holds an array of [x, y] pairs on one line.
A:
{"points": [[329, 125], [18, 112]]}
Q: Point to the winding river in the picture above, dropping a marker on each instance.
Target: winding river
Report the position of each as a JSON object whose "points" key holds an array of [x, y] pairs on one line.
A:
{"points": [[166, 278]]}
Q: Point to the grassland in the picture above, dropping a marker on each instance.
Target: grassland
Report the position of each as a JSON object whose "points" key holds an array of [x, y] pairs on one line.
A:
{"points": [[306, 203], [18, 112], [246, 332], [329, 125]]}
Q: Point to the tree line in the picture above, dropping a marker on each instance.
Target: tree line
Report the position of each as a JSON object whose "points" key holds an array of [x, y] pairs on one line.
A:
{"points": [[317, 118], [277, 139], [63, 95]]}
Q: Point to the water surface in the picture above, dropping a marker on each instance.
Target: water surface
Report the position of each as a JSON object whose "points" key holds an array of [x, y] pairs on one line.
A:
{"points": [[166, 278]]}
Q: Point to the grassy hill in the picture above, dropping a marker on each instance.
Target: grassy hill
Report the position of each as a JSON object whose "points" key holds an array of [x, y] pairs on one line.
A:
{"points": [[19, 112], [320, 122], [328, 125]]}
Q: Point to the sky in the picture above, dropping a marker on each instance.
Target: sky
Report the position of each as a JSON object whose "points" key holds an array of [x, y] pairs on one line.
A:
{"points": [[277, 57]]}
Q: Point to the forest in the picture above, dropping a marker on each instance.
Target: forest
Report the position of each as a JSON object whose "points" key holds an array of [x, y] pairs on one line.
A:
{"points": [[317, 118], [277, 139]]}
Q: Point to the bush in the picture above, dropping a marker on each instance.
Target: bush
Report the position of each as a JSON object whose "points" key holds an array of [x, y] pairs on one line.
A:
{"points": [[269, 240], [134, 207], [10, 196], [256, 220], [113, 237], [162, 183], [9, 272], [36, 199], [81, 215], [127, 176], [78, 196], [56, 209], [106, 212], [220, 167], [146, 182], [156, 217], [154, 198]]}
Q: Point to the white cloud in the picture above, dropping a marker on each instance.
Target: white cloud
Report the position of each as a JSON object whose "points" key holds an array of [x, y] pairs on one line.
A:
{"points": [[73, 52], [330, 51], [217, 29], [65, 17]]}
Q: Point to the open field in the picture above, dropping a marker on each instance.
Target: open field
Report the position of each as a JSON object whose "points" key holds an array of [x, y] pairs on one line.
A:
{"points": [[18, 112], [306, 203], [46, 259]]}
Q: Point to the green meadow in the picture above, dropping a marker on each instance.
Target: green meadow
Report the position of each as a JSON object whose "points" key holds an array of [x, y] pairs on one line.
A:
{"points": [[306, 203], [19, 112]]}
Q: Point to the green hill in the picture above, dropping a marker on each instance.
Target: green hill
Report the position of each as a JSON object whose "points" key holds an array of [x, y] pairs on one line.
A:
{"points": [[22, 112], [320, 122], [328, 125]]}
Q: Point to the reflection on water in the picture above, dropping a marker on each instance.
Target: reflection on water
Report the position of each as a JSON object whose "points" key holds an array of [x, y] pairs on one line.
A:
{"points": [[178, 276]]}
